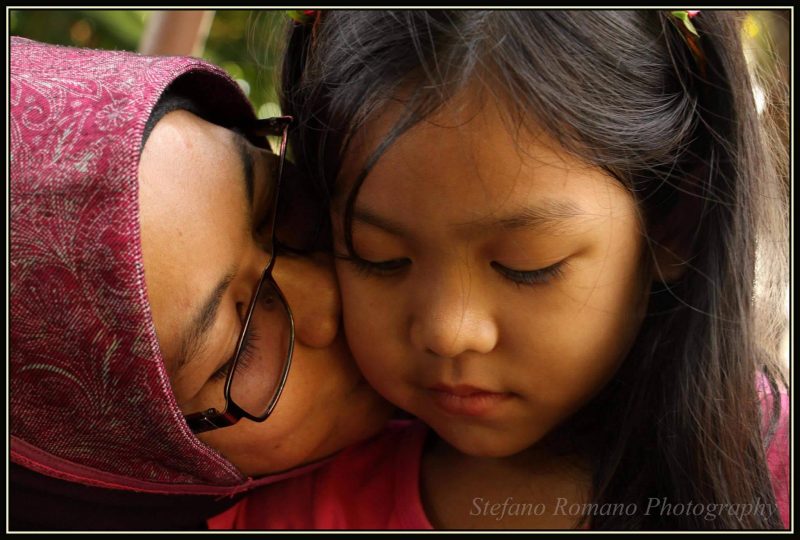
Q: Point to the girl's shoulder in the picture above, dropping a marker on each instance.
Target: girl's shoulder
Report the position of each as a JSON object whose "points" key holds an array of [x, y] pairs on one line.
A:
{"points": [[372, 485]]}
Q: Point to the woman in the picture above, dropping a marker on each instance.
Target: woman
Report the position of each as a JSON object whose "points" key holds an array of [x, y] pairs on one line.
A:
{"points": [[139, 251]]}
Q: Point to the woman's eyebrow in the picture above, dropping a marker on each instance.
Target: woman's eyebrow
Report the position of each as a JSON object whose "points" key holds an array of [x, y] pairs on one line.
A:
{"points": [[245, 153], [203, 320], [250, 156]]}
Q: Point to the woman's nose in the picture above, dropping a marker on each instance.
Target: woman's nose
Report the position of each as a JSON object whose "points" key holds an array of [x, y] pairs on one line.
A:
{"points": [[310, 287], [450, 320]]}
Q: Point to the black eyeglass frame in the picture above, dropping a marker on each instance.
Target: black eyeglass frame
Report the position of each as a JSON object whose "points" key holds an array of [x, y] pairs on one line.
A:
{"points": [[211, 419]]}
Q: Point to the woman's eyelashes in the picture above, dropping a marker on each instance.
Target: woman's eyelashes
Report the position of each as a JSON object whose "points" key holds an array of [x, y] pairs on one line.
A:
{"points": [[245, 356], [393, 267]]}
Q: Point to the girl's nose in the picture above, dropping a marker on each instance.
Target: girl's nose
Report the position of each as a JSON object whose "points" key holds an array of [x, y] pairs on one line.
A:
{"points": [[311, 290], [449, 321]]}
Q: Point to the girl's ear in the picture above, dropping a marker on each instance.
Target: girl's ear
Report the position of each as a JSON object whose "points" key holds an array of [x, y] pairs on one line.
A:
{"points": [[673, 238]]}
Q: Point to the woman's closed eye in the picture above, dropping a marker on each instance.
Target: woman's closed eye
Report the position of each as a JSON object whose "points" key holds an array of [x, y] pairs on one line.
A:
{"points": [[245, 355]]}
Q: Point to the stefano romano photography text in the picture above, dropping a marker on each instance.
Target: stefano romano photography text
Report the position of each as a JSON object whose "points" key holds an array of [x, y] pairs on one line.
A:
{"points": [[655, 506]]}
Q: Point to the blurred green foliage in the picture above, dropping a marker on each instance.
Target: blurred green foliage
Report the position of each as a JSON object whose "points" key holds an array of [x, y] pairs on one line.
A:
{"points": [[247, 43], [244, 42]]}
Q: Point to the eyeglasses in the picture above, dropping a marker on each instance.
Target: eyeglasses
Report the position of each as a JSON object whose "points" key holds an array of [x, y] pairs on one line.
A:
{"points": [[264, 351]]}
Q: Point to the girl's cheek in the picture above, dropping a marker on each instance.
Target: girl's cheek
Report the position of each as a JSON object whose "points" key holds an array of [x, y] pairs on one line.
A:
{"points": [[368, 317]]}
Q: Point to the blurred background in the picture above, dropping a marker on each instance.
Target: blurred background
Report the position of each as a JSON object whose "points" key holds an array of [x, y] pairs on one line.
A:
{"points": [[247, 43], [244, 42]]}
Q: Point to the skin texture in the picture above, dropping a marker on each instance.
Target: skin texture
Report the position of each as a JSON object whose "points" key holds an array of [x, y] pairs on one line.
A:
{"points": [[197, 226], [449, 313]]}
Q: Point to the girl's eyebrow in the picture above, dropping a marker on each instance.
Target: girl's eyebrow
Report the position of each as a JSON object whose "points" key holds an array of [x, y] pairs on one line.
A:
{"points": [[367, 216], [549, 213]]}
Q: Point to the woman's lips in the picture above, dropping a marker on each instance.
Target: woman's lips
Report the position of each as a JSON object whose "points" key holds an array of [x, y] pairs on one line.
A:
{"points": [[464, 400]]}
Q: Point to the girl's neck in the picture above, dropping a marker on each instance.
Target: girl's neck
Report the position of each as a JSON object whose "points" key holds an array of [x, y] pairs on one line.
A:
{"points": [[533, 489]]}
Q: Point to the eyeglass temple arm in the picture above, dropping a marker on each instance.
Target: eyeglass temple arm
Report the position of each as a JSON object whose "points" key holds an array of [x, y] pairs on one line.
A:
{"points": [[270, 126], [209, 419]]}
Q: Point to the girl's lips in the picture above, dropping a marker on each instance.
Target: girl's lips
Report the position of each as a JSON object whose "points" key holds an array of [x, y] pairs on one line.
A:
{"points": [[467, 400]]}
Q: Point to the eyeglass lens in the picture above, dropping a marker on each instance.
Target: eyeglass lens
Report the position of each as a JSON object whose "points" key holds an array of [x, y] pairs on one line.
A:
{"points": [[258, 373]]}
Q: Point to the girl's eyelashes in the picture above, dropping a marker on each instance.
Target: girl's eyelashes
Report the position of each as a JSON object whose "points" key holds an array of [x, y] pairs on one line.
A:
{"points": [[376, 268], [518, 277], [531, 277]]}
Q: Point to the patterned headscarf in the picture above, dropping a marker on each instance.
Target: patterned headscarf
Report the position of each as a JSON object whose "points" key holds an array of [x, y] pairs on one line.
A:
{"points": [[90, 399]]}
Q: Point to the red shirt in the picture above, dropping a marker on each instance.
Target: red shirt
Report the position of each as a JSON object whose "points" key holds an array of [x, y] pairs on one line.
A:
{"points": [[375, 485]]}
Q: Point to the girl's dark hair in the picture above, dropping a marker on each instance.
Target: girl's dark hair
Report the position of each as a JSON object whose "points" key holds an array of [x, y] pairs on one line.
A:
{"points": [[682, 419]]}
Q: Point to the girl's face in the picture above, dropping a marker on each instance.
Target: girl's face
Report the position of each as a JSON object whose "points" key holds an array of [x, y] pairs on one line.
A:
{"points": [[502, 280]]}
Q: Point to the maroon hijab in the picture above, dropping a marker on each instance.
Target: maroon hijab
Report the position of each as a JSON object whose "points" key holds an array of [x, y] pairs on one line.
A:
{"points": [[90, 399]]}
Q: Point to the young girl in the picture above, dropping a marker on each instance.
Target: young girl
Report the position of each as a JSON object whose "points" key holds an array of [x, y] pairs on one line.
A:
{"points": [[546, 225]]}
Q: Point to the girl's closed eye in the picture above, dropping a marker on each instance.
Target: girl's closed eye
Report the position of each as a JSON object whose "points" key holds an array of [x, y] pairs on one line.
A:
{"points": [[387, 267], [531, 277], [391, 267]]}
